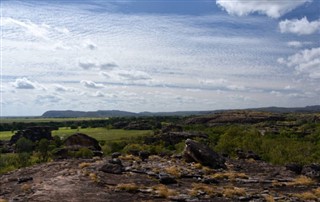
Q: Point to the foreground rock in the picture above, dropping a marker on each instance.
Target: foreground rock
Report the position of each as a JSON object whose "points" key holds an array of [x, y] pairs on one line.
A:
{"points": [[157, 179], [197, 152]]}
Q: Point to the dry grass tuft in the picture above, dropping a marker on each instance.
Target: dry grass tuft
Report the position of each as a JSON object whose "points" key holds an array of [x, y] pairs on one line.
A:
{"points": [[94, 177], [233, 191], [26, 187], [317, 192], [310, 195], [163, 191], [129, 187], [197, 188], [197, 165], [84, 165], [306, 196], [173, 170], [129, 157], [269, 198], [230, 175], [301, 180]]}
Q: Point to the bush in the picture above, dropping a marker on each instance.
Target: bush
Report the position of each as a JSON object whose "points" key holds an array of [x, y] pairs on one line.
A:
{"points": [[84, 153], [24, 145]]}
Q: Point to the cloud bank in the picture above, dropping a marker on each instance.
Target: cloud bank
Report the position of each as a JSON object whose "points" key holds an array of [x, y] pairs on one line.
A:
{"points": [[300, 27], [271, 8]]}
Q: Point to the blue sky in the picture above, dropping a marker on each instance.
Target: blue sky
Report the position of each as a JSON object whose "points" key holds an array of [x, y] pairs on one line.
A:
{"points": [[158, 55]]}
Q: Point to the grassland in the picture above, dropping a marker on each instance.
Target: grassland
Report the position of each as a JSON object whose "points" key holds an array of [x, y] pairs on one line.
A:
{"points": [[97, 133], [44, 120], [102, 133]]}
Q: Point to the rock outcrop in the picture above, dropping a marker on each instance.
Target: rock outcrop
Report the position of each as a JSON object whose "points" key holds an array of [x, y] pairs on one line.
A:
{"points": [[34, 134], [197, 152], [80, 140]]}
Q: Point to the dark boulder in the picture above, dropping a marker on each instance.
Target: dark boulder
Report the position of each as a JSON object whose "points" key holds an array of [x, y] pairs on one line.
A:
{"points": [[115, 155], [171, 128], [34, 134], [80, 140], [144, 155], [172, 138], [312, 171], [197, 152], [296, 168], [166, 179], [112, 168]]}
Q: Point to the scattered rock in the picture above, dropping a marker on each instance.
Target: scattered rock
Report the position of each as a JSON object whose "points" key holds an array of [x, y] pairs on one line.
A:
{"points": [[115, 161], [296, 168], [112, 168], [115, 155], [312, 171], [144, 155], [166, 179], [202, 154], [24, 179]]}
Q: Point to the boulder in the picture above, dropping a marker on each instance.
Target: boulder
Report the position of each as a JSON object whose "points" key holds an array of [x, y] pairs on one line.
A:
{"points": [[312, 171], [112, 168], [34, 134], [197, 152], [294, 167], [80, 140]]}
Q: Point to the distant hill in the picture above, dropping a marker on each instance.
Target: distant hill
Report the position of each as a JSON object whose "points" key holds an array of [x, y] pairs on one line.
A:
{"points": [[118, 113]]}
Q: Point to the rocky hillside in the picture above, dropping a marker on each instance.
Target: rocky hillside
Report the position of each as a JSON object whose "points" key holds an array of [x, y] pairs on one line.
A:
{"points": [[154, 178]]}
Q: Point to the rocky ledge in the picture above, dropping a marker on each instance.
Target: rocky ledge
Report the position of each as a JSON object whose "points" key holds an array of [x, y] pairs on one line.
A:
{"points": [[129, 178]]}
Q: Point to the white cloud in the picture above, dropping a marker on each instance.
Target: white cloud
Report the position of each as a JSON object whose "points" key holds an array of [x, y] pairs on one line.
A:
{"points": [[90, 45], [98, 94], [91, 84], [24, 83], [40, 31], [61, 88], [90, 64], [87, 64], [298, 44], [271, 8], [47, 99], [305, 62], [110, 65], [129, 75], [300, 27]]}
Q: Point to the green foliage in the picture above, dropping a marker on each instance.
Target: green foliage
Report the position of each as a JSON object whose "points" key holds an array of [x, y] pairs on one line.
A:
{"points": [[24, 159], [43, 148], [84, 153], [24, 145]]}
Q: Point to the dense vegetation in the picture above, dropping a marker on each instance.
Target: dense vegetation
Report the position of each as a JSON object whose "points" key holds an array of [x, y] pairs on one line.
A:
{"points": [[295, 139]]}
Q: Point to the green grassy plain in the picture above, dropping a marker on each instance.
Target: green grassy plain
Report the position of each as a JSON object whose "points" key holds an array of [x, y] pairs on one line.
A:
{"points": [[102, 133], [97, 133], [44, 120]]}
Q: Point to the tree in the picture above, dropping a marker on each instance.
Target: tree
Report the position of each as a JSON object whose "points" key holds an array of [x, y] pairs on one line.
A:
{"points": [[43, 148], [24, 145]]}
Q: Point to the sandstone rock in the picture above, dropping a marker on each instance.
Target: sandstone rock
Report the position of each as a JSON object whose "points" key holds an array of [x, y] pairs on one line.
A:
{"points": [[115, 155], [296, 168], [112, 168], [34, 134], [80, 140], [166, 179], [312, 171], [115, 161], [202, 154], [144, 155]]}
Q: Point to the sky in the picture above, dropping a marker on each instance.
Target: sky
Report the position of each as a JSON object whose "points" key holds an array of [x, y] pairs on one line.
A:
{"points": [[158, 55]]}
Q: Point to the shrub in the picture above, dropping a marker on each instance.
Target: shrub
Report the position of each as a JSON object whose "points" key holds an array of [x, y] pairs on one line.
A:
{"points": [[24, 145], [84, 153]]}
